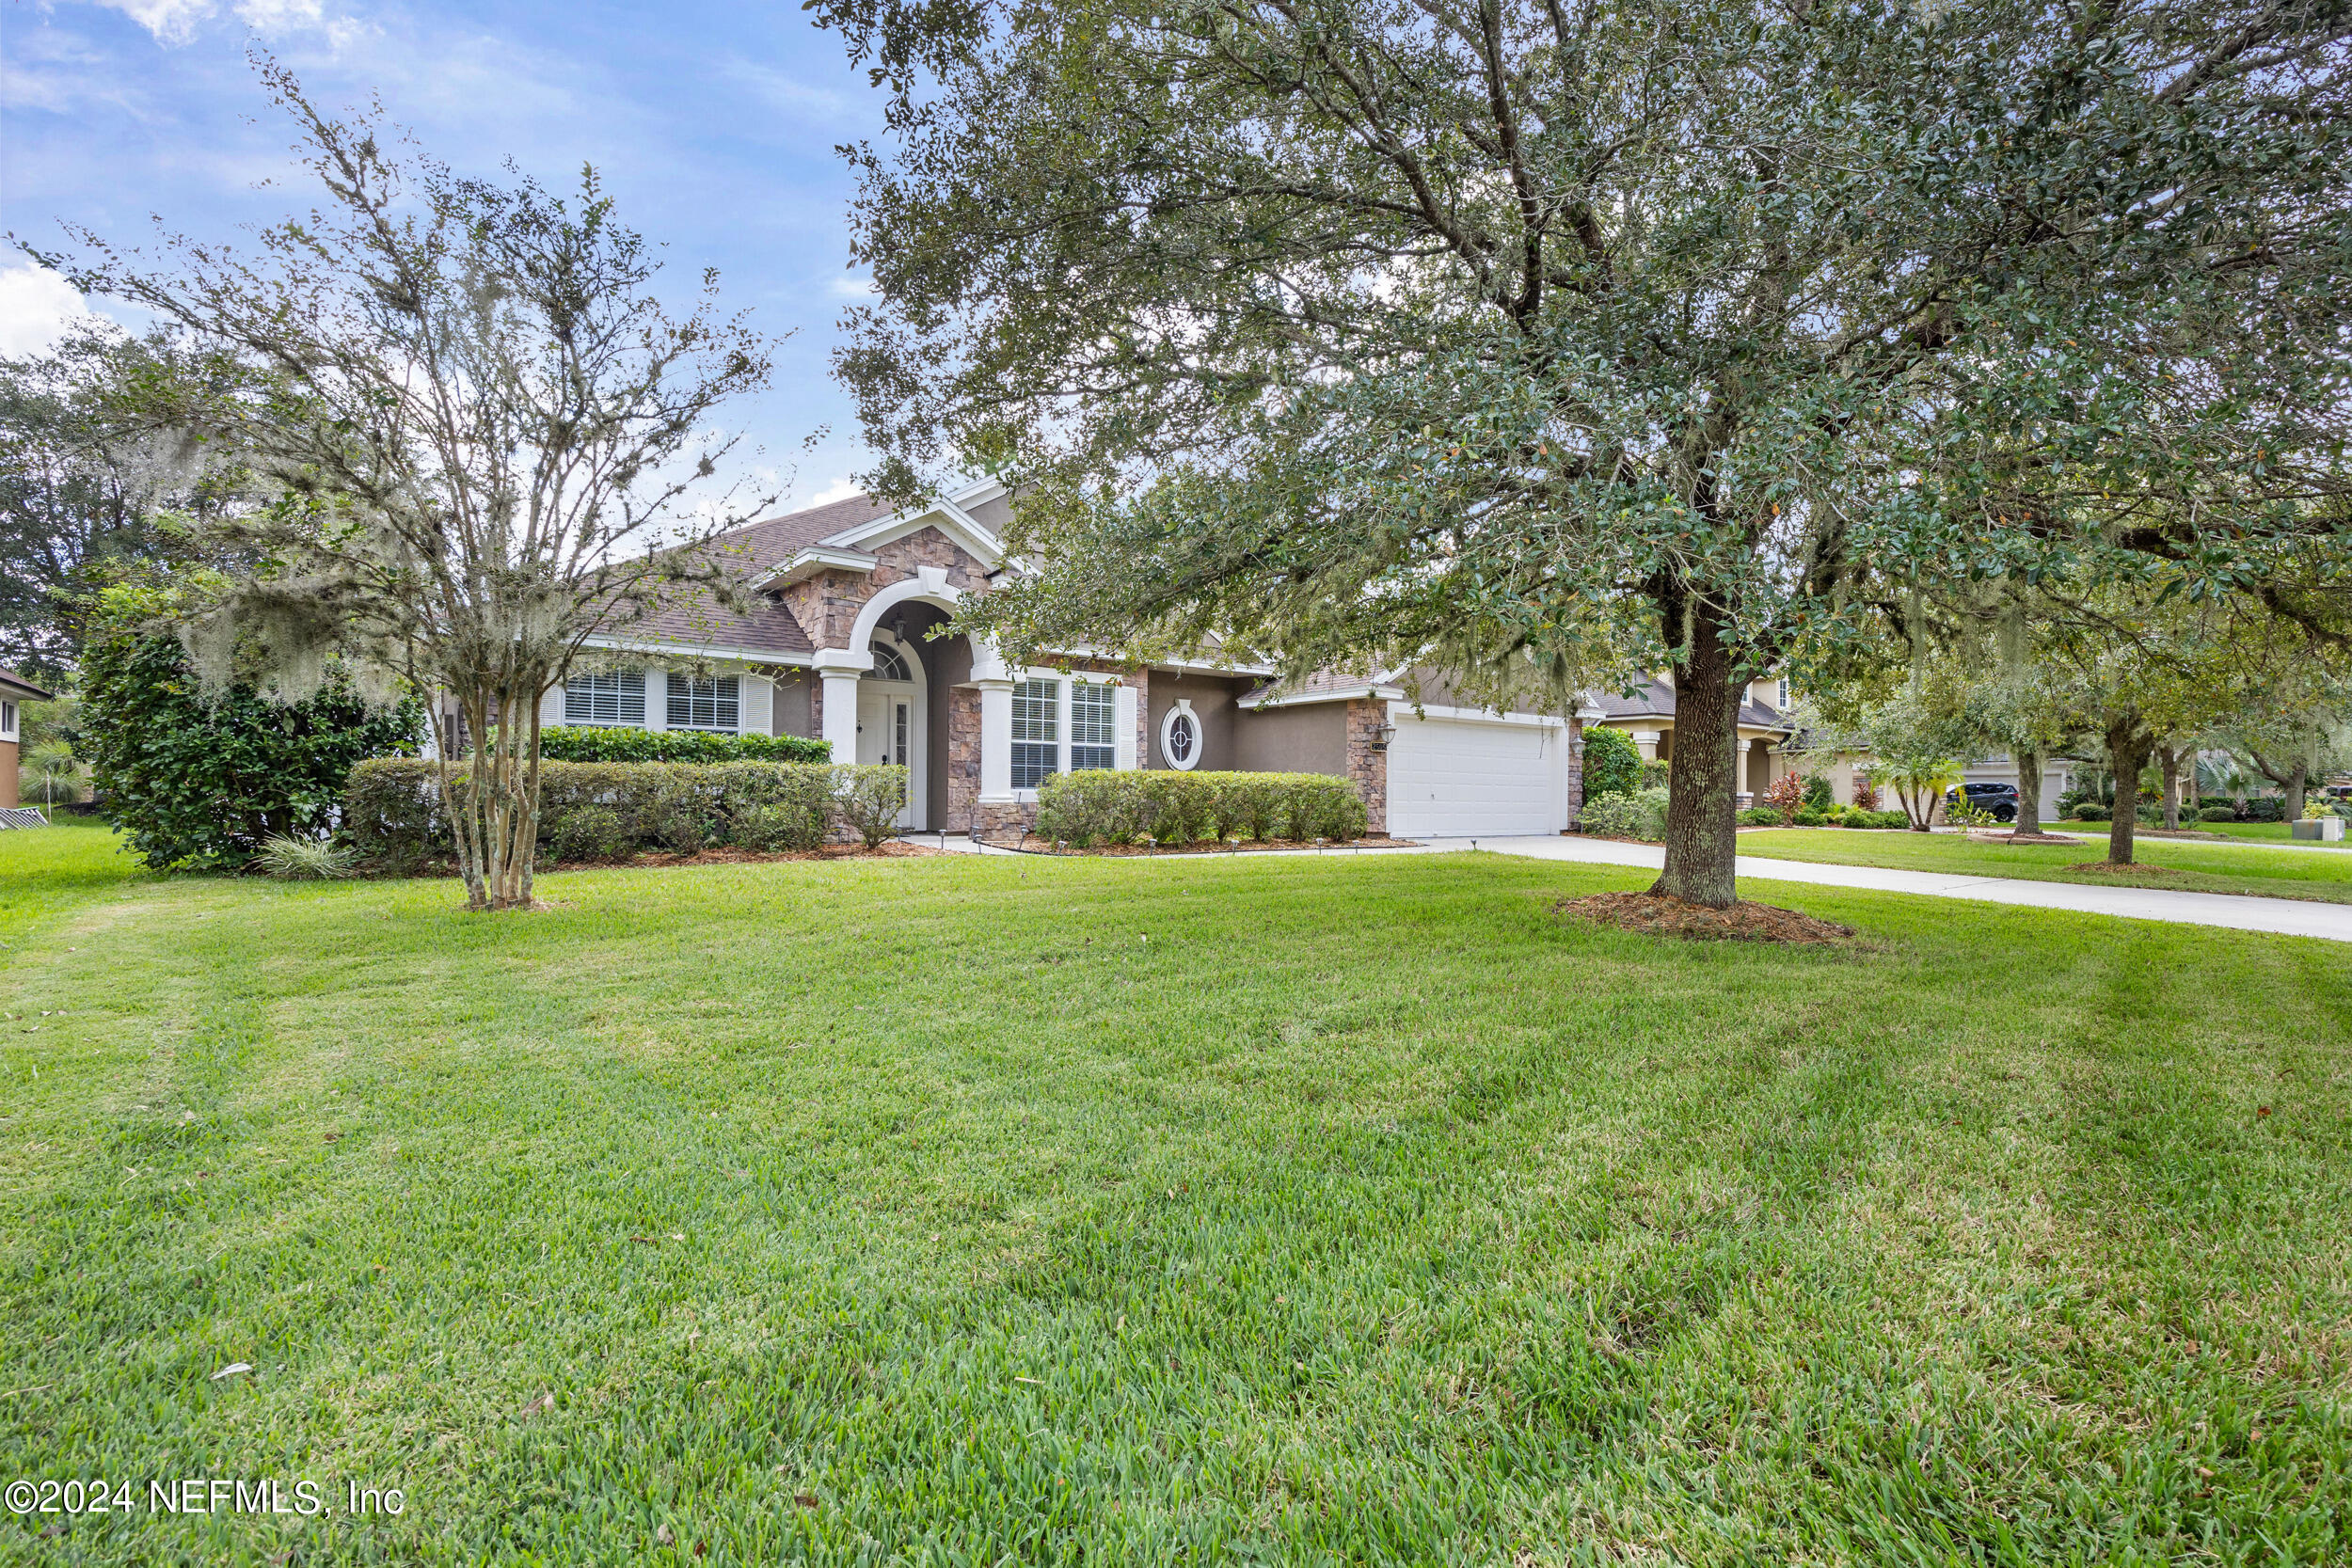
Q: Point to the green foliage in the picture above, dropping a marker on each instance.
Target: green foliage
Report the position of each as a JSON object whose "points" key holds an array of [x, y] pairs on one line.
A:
{"points": [[1612, 763], [1760, 816], [1100, 806], [591, 743], [2091, 811], [1786, 795], [202, 781], [313, 859], [2217, 813], [602, 810], [1641, 814], [1816, 793], [870, 799], [2266, 808]]}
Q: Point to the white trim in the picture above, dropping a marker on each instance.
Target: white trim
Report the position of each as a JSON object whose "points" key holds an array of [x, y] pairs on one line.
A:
{"points": [[1473, 716], [1123, 709], [1181, 707], [1340, 694], [944, 516], [743, 655], [807, 563]]}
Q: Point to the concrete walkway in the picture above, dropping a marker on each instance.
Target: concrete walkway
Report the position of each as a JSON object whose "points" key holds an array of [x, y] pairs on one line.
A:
{"points": [[2285, 916], [2237, 911]]}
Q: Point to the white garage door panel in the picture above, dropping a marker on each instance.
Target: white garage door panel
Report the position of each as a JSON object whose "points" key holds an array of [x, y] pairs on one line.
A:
{"points": [[1451, 777]]}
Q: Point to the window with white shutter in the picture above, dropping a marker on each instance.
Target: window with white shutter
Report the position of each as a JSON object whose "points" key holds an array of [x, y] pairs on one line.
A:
{"points": [[1094, 725], [614, 699], [1036, 731], [704, 705]]}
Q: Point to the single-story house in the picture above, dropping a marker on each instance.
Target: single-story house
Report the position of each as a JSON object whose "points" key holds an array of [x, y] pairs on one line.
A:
{"points": [[14, 689], [1647, 714], [837, 645]]}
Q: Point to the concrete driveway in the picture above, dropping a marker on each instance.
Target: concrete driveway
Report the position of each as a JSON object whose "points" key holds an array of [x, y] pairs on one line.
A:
{"points": [[2285, 916]]}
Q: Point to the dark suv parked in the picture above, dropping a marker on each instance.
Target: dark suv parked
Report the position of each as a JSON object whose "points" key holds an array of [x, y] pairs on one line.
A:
{"points": [[1998, 799]]}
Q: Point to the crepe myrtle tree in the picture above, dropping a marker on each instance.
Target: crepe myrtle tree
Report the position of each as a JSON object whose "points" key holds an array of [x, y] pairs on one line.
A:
{"points": [[1688, 333], [472, 427]]}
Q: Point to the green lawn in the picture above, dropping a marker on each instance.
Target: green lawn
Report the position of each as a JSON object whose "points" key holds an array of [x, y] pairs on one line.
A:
{"points": [[1255, 1209], [2273, 833], [2185, 863]]}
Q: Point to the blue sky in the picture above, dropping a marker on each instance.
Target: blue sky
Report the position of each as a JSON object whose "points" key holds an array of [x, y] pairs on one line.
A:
{"points": [[713, 126]]}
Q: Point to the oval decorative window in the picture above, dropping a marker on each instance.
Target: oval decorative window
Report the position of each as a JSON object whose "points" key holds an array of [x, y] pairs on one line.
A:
{"points": [[1180, 736]]}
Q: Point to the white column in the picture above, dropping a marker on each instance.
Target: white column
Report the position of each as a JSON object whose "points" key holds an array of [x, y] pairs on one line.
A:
{"points": [[995, 738], [656, 698], [1124, 758], [1646, 741], [838, 667]]}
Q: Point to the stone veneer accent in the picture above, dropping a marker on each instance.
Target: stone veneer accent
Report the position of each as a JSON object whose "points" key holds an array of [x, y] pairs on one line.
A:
{"points": [[963, 754], [827, 604], [1575, 768], [1367, 767]]}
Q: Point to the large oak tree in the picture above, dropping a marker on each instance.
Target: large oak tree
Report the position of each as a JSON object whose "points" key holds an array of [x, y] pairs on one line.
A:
{"points": [[1700, 331]]}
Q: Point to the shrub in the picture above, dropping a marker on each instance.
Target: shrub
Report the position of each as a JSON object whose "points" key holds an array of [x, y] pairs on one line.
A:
{"points": [[1759, 816], [1103, 807], [606, 810], [589, 743], [1641, 814], [1865, 794], [1785, 795], [2091, 811], [203, 781], [870, 799], [1612, 763], [2224, 812], [2268, 808], [1811, 818], [1817, 794], [318, 860]]}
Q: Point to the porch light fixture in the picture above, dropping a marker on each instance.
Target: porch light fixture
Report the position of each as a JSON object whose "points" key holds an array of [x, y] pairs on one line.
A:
{"points": [[1381, 737]]}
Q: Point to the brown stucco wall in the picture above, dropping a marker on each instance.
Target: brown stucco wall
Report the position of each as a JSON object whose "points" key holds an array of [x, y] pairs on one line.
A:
{"points": [[796, 709], [1212, 699], [1310, 737]]}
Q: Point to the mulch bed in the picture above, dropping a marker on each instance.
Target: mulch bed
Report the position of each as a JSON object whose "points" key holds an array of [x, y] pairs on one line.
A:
{"points": [[2109, 868], [2023, 838], [1035, 845], [1657, 914]]}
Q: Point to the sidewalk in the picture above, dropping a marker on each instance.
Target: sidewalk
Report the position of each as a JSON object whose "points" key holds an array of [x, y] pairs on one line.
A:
{"points": [[2283, 916]]}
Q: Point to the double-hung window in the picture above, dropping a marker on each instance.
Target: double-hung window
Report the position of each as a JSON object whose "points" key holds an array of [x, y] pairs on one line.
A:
{"points": [[615, 698], [704, 705], [1094, 725], [1036, 731]]}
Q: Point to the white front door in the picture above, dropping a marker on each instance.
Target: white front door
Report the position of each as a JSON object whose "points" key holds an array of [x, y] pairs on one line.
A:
{"points": [[889, 730]]}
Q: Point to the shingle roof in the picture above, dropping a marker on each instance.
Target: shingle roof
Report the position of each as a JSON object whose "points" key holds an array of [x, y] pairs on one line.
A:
{"points": [[692, 615], [1655, 699], [18, 685]]}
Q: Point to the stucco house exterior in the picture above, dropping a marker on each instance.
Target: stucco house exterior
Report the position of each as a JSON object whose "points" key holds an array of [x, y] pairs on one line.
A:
{"points": [[1766, 734], [15, 691], [837, 645]]}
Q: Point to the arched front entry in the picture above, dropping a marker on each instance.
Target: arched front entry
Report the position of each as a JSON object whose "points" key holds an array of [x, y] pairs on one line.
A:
{"points": [[893, 718]]}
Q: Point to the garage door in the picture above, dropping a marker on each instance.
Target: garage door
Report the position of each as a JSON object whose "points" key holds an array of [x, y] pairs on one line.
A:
{"points": [[1454, 778]]}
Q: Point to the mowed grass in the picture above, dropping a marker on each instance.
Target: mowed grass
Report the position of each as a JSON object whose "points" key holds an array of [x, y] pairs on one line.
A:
{"points": [[2272, 832], [1278, 1210], [2165, 862]]}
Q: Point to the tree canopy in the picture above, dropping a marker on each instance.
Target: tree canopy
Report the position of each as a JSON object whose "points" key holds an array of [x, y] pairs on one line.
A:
{"points": [[1664, 334]]}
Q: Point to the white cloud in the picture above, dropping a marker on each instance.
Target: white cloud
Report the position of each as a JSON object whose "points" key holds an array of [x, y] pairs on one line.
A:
{"points": [[839, 490], [174, 21], [851, 286], [36, 307]]}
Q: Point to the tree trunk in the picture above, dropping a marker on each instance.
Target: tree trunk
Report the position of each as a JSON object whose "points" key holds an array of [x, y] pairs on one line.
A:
{"points": [[2127, 753], [494, 807], [2169, 757], [1700, 833], [2029, 790], [2298, 782]]}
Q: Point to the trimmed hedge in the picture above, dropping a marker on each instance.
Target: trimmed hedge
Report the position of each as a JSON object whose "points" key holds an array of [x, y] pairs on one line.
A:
{"points": [[1641, 814], [605, 810], [2224, 812], [2091, 811], [591, 743], [1098, 806]]}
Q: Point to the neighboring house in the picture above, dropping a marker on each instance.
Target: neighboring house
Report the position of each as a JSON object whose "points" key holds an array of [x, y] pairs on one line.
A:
{"points": [[1764, 731], [837, 645], [14, 691]]}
